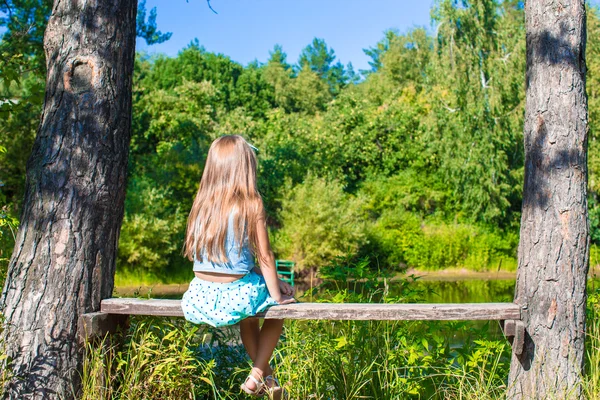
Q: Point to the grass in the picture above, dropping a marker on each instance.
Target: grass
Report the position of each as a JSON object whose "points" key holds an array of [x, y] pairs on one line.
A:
{"points": [[591, 380], [156, 360], [163, 359], [131, 278]]}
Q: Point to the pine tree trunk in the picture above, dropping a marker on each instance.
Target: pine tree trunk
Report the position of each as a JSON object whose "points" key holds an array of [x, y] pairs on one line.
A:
{"points": [[554, 245], [64, 258]]}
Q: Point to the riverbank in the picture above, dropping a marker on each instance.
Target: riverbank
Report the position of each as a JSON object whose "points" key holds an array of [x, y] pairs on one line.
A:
{"points": [[460, 274]]}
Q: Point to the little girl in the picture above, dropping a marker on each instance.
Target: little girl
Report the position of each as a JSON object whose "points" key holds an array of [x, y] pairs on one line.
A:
{"points": [[226, 228]]}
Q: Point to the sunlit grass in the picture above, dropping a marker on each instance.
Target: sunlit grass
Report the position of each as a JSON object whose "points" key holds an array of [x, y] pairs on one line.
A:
{"points": [[591, 380], [155, 360]]}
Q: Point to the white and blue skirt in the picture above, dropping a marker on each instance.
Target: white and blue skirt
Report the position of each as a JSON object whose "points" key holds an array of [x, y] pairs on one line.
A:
{"points": [[222, 304]]}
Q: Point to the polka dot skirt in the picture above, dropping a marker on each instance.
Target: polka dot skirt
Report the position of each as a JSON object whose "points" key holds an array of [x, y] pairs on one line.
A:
{"points": [[222, 304]]}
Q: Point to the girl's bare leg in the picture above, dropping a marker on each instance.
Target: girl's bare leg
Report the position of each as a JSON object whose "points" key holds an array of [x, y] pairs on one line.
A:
{"points": [[260, 345], [267, 340], [249, 332]]}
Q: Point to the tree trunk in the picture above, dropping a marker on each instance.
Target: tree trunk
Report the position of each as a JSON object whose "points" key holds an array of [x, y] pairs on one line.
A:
{"points": [[554, 245], [63, 262]]}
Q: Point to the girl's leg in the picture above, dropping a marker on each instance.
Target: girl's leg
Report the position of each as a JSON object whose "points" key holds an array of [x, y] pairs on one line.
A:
{"points": [[249, 332], [267, 340], [260, 345]]}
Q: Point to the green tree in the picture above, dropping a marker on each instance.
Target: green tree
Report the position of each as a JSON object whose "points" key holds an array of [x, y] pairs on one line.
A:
{"points": [[320, 59], [320, 222]]}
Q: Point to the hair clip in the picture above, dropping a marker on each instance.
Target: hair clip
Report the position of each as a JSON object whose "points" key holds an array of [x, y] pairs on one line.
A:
{"points": [[253, 148]]}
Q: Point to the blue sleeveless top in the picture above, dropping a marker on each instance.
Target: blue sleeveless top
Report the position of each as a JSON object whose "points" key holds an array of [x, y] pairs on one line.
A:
{"points": [[238, 262]]}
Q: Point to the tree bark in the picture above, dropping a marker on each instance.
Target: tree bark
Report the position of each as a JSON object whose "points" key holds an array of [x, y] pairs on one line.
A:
{"points": [[63, 262], [554, 244]]}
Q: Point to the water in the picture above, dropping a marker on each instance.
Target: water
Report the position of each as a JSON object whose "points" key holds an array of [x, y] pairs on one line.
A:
{"points": [[468, 291], [435, 290]]}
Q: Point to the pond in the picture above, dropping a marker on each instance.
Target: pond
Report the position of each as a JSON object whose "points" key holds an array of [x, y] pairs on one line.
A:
{"points": [[436, 289]]}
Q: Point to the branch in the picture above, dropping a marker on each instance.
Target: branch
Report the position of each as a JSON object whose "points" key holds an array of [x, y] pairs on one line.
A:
{"points": [[209, 6]]}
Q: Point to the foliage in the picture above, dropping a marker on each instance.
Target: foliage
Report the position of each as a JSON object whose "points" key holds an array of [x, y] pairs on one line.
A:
{"points": [[591, 381], [5, 362], [8, 227], [151, 231], [320, 222], [431, 245], [22, 72], [147, 29], [320, 59]]}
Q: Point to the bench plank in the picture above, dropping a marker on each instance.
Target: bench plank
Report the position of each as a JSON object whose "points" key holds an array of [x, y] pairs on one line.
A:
{"points": [[335, 311], [155, 307]]}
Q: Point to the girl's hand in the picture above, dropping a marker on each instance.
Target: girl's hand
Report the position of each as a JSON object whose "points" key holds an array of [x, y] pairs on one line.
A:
{"points": [[285, 300], [286, 289]]}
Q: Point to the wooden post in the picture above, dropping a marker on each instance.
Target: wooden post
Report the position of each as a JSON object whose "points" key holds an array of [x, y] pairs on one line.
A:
{"points": [[98, 324]]}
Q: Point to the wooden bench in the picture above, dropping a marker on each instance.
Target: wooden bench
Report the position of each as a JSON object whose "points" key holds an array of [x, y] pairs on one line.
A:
{"points": [[114, 312]]}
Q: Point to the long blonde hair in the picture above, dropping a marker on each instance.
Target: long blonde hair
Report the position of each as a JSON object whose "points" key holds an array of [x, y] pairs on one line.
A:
{"points": [[228, 185]]}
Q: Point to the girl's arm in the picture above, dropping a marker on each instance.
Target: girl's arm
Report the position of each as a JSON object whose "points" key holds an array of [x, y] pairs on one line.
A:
{"points": [[266, 259]]}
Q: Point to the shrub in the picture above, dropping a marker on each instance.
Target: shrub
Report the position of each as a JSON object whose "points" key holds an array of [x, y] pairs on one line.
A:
{"points": [[152, 231], [320, 222], [404, 239]]}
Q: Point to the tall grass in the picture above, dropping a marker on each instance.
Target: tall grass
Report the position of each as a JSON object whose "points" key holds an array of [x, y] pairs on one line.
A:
{"points": [[155, 360], [334, 360], [591, 381]]}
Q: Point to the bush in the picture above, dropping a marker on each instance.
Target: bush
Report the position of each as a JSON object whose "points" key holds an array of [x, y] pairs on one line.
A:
{"points": [[403, 239], [152, 231], [320, 222]]}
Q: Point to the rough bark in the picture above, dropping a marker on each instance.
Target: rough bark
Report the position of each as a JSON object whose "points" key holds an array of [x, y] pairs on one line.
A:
{"points": [[64, 258], [554, 244]]}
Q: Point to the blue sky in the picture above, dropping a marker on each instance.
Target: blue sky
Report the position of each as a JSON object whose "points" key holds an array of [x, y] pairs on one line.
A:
{"points": [[246, 30]]}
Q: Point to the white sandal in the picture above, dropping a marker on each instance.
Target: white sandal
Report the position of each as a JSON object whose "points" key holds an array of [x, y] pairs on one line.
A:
{"points": [[258, 391], [275, 391]]}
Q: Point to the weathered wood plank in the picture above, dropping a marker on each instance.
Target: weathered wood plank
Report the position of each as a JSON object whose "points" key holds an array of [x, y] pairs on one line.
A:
{"points": [[353, 311], [95, 325], [329, 311], [156, 307], [509, 328], [519, 340]]}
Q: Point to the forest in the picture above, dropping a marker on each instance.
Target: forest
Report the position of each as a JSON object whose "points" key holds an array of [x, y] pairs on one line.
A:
{"points": [[416, 163]]}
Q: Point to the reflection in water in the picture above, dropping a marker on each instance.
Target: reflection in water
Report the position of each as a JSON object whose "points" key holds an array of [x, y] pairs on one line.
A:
{"points": [[468, 291], [476, 290]]}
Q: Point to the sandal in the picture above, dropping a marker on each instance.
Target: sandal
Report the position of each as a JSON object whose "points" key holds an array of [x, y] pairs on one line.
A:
{"points": [[258, 390], [275, 391]]}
